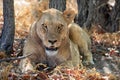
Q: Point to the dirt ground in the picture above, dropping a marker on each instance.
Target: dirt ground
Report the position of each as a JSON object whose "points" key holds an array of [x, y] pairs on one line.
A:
{"points": [[107, 63], [106, 52]]}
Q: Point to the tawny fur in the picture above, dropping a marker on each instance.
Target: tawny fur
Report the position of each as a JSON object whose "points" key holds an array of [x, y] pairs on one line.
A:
{"points": [[70, 39]]}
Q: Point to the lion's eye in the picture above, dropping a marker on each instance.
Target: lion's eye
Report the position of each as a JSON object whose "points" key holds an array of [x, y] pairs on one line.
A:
{"points": [[44, 26], [60, 27]]}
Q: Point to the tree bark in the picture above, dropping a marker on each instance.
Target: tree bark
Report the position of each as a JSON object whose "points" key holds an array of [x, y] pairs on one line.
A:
{"points": [[7, 38], [82, 12], [88, 11], [98, 12], [58, 4], [115, 17]]}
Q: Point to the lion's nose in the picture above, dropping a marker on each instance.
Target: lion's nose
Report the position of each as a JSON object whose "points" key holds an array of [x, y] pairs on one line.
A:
{"points": [[52, 41]]}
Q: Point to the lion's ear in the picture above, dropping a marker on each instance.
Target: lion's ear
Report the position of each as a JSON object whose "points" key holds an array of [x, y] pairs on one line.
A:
{"points": [[36, 14], [43, 5], [69, 15], [38, 7]]}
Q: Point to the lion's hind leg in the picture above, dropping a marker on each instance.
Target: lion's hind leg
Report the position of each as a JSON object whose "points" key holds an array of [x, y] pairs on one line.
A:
{"points": [[81, 38]]}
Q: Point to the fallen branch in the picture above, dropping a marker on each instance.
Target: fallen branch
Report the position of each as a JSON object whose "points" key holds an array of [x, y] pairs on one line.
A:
{"points": [[14, 58]]}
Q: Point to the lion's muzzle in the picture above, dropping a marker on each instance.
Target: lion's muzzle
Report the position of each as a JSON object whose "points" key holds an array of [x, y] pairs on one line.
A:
{"points": [[52, 41]]}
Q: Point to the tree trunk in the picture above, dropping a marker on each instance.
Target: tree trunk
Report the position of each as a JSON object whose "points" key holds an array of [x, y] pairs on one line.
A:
{"points": [[98, 12], [87, 11], [115, 17], [82, 12], [7, 38], [58, 4]]}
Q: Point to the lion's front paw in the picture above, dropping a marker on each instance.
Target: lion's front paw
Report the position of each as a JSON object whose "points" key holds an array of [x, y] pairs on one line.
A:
{"points": [[26, 66], [89, 63], [28, 69]]}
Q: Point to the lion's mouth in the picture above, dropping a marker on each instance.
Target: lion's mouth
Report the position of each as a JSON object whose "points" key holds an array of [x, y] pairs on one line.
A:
{"points": [[51, 51], [51, 48]]}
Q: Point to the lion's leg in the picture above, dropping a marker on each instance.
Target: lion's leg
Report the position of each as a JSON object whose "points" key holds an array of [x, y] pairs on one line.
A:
{"points": [[87, 55], [80, 37], [26, 65], [76, 60]]}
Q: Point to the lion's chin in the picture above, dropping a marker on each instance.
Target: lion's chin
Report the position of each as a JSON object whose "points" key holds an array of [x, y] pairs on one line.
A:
{"points": [[52, 51]]}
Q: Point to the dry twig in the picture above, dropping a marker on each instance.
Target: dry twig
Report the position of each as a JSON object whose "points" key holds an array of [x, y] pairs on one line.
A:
{"points": [[14, 58]]}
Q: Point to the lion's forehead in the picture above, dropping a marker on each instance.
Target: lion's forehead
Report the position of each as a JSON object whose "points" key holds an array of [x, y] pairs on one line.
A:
{"points": [[50, 18], [53, 16], [52, 11], [52, 22]]}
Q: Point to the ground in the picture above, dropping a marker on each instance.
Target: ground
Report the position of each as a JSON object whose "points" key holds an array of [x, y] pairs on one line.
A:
{"points": [[105, 49]]}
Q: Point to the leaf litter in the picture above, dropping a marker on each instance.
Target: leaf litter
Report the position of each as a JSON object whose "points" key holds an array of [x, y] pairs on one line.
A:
{"points": [[105, 49]]}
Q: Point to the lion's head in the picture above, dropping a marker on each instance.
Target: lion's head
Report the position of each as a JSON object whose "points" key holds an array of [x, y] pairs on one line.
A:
{"points": [[52, 28]]}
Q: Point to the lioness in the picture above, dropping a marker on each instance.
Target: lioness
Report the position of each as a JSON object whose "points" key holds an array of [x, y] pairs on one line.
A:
{"points": [[55, 40]]}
